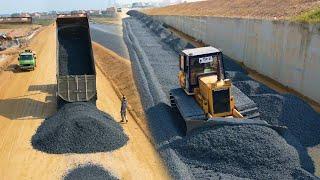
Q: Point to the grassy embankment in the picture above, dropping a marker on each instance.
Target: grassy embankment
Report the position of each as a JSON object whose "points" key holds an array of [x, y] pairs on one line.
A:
{"points": [[312, 16], [105, 20]]}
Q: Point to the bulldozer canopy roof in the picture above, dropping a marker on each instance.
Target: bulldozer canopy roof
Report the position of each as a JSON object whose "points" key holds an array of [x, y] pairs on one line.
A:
{"points": [[201, 51]]}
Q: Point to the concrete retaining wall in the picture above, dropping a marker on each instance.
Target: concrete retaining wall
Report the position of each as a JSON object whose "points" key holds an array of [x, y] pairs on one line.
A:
{"points": [[284, 51]]}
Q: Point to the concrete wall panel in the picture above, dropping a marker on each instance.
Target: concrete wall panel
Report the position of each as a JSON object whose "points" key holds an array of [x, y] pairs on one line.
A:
{"points": [[284, 51]]}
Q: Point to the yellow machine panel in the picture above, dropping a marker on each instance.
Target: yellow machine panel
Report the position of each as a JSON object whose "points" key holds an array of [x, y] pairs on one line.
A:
{"points": [[204, 95]]}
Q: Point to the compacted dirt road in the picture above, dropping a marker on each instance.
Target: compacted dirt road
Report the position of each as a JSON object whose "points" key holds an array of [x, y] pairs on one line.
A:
{"points": [[26, 98]]}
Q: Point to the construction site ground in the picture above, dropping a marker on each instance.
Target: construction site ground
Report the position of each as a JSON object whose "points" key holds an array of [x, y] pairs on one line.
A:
{"points": [[12, 31], [27, 98], [16, 30], [118, 70]]}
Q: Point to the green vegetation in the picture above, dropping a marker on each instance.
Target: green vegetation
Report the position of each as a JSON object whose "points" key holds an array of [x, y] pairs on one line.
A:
{"points": [[104, 20], [312, 16], [43, 22]]}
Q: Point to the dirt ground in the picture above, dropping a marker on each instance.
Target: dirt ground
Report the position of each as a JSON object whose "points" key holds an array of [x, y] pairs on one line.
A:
{"points": [[265, 9], [109, 20], [26, 98], [16, 31], [11, 54], [119, 71]]}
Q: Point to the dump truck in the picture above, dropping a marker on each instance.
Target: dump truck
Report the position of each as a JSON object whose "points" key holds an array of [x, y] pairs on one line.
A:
{"points": [[27, 60], [205, 96], [76, 75]]}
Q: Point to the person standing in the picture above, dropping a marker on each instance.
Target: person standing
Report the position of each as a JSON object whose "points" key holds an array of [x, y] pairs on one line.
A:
{"points": [[123, 111]]}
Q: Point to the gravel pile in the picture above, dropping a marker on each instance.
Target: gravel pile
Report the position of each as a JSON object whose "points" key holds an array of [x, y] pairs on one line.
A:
{"points": [[270, 107], [302, 121], [178, 169], [181, 170], [248, 151], [306, 161], [89, 172], [285, 109], [79, 128]]}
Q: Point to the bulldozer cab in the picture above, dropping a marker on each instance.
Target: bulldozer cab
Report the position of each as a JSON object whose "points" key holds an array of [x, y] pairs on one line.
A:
{"points": [[199, 62]]}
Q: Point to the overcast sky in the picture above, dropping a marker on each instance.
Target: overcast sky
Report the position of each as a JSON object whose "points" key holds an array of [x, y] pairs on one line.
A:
{"points": [[11, 6]]}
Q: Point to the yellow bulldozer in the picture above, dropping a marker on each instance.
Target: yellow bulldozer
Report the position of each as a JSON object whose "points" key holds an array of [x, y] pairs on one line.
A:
{"points": [[205, 96]]}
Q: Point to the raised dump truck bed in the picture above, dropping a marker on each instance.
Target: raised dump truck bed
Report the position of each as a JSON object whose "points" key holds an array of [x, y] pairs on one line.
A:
{"points": [[76, 76]]}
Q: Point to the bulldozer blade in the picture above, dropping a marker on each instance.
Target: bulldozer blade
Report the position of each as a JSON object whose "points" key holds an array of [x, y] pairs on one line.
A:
{"points": [[216, 122]]}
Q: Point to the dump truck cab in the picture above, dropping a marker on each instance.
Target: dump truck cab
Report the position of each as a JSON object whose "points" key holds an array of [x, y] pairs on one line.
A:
{"points": [[27, 60]]}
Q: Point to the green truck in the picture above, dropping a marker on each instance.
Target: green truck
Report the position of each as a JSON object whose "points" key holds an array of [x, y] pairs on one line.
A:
{"points": [[27, 60]]}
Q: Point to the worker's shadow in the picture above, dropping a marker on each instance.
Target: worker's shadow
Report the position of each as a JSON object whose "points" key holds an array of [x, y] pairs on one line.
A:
{"points": [[38, 103]]}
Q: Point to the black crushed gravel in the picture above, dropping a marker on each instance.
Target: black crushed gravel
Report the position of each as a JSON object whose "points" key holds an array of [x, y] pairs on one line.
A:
{"points": [[232, 65], [178, 169], [89, 172], [305, 160], [74, 50], [288, 110], [79, 128], [152, 71], [237, 76], [270, 107], [301, 119], [181, 170], [251, 87], [300, 174], [248, 151], [275, 108]]}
